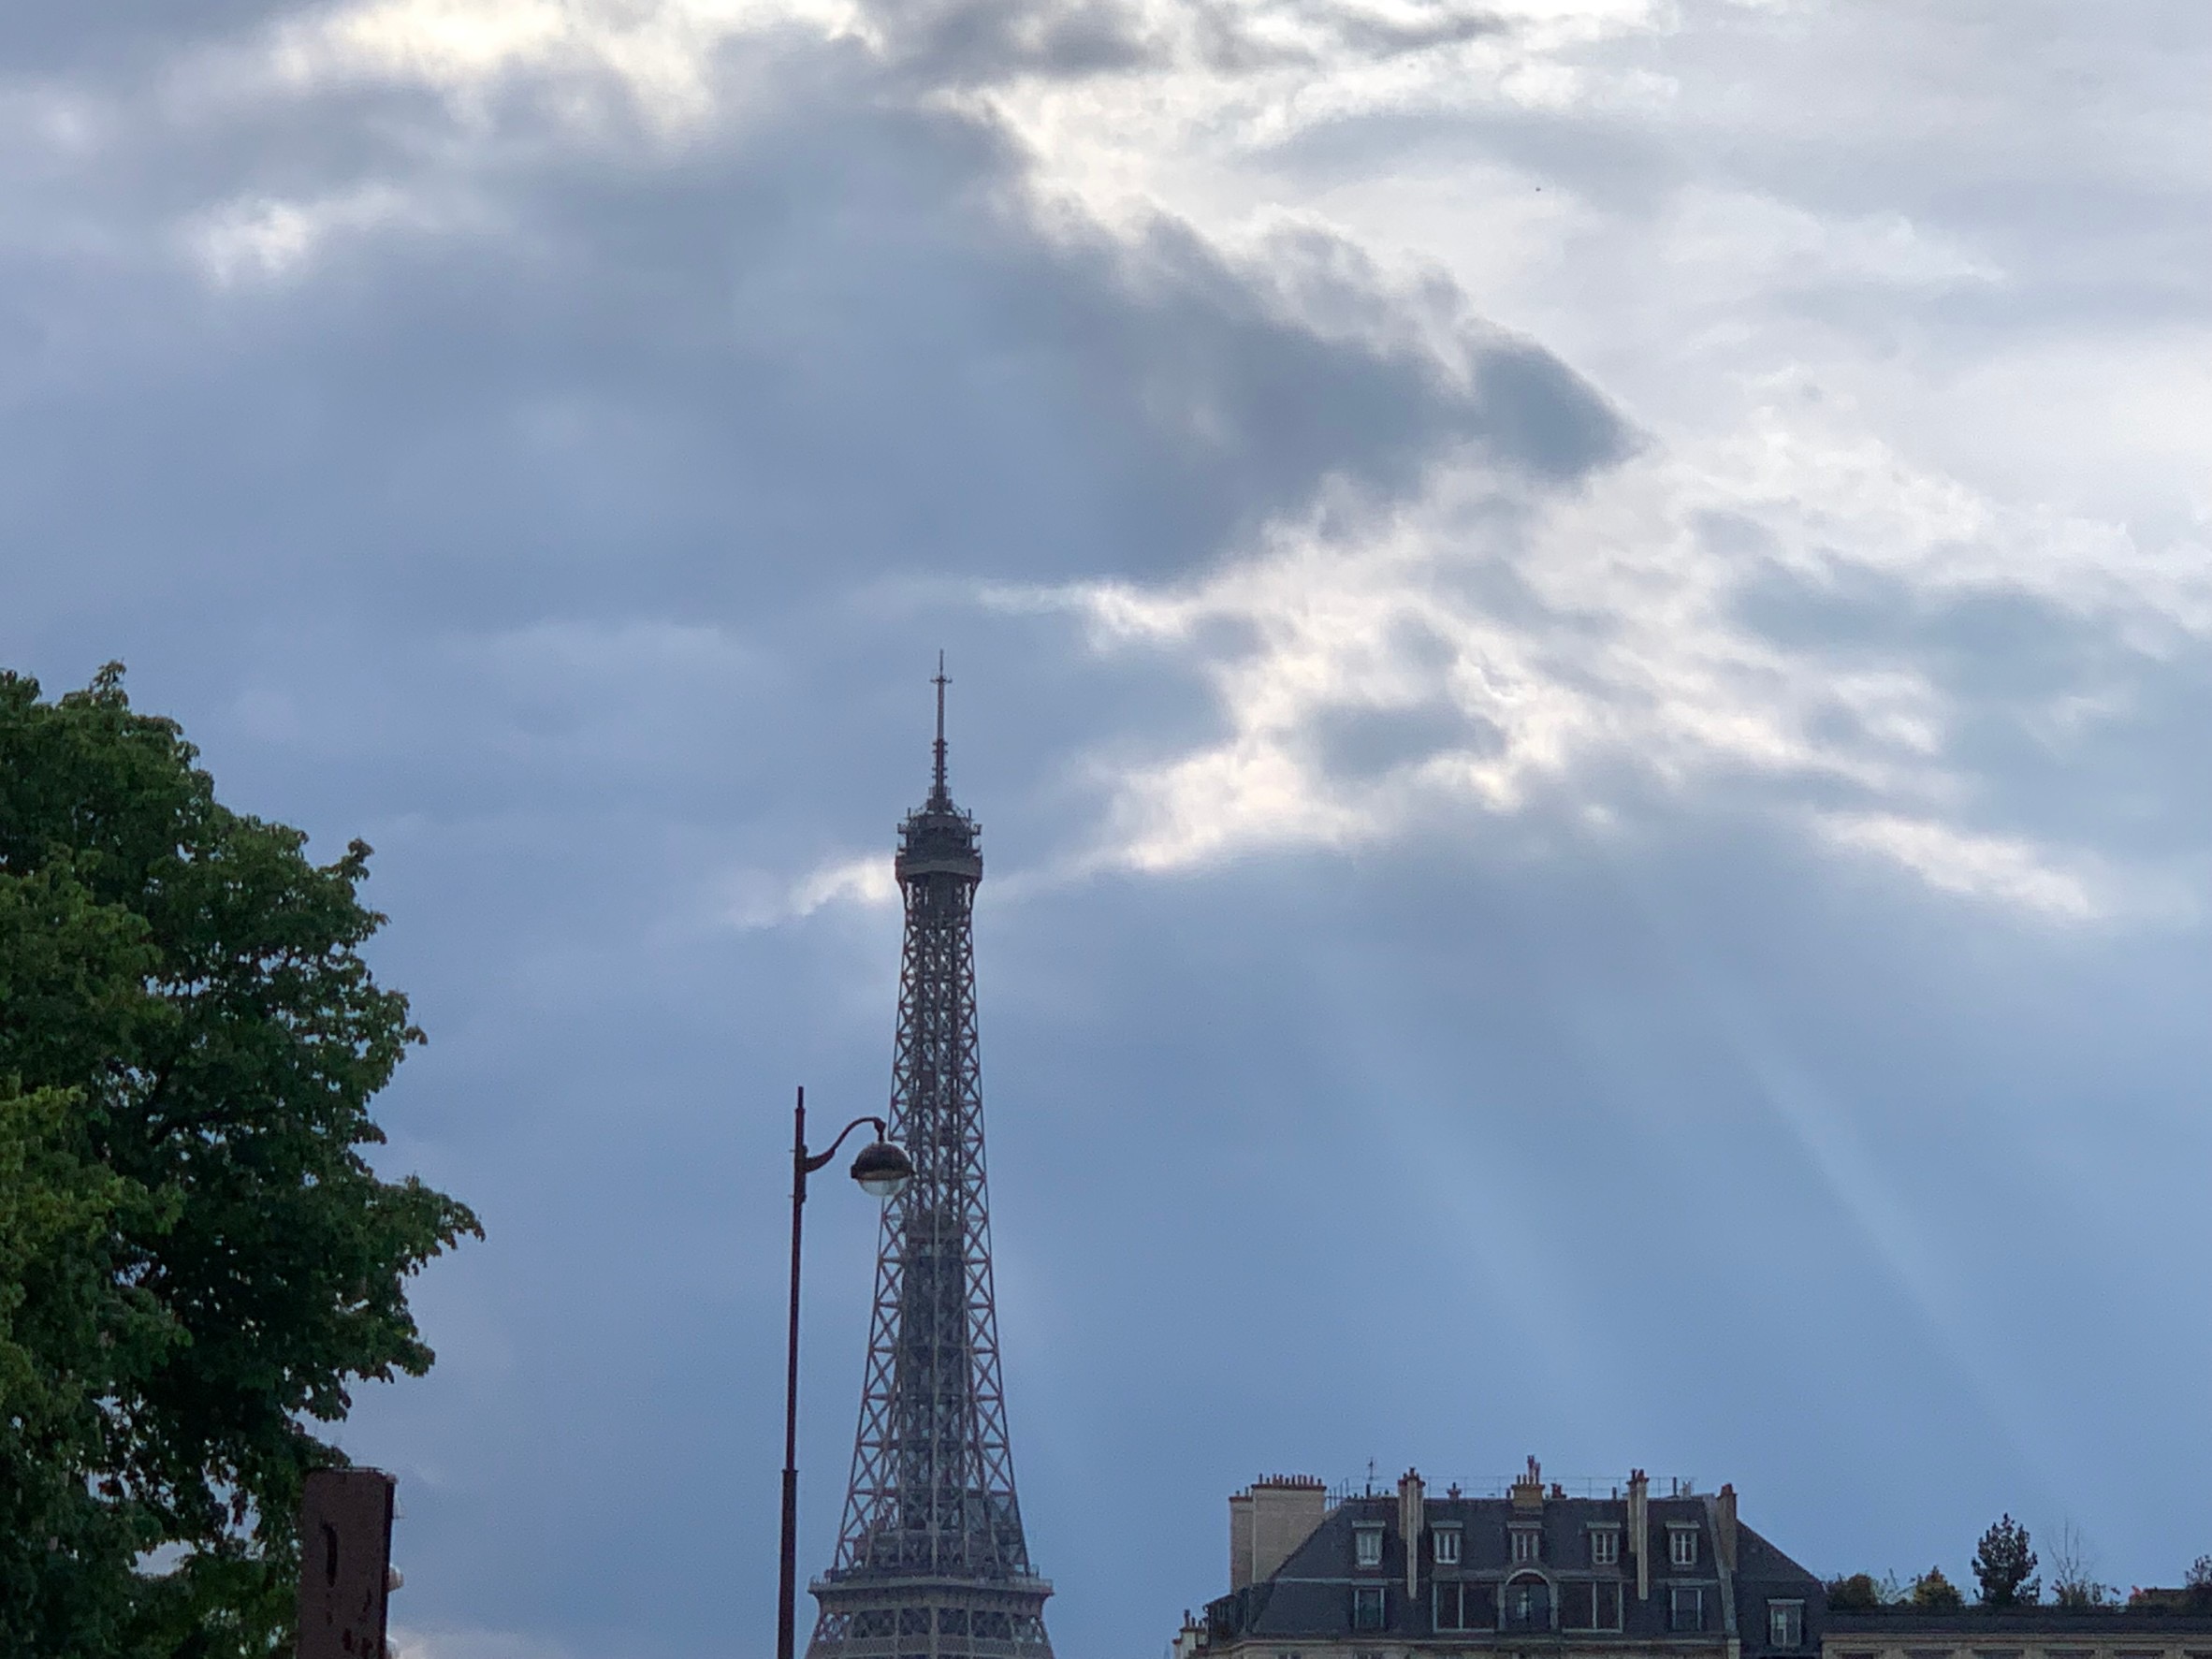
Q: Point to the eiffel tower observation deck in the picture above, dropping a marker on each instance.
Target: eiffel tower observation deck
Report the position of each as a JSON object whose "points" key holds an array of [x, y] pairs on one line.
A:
{"points": [[931, 1561]]}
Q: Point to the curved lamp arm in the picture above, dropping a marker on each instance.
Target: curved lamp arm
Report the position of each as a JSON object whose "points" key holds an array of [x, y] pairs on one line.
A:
{"points": [[815, 1161]]}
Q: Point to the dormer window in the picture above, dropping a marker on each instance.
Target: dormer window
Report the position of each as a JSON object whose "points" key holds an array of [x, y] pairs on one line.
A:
{"points": [[1785, 1623], [1605, 1547], [1524, 1545], [1367, 1606], [1681, 1543], [1367, 1545], [1445, 1545]]}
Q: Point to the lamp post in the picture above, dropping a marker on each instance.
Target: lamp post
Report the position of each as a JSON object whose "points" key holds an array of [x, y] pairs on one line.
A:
{"points": [[882, 1171]]}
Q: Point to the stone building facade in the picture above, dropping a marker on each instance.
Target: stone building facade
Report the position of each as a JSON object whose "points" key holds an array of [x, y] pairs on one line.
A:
{"points": [[2022, 1633], [1533, 1575]]}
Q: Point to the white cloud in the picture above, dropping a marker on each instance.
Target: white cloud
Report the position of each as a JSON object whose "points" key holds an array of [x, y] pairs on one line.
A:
{"points": [[660, 52], [754, 899], [264, 238], [1999, 868], [1540, 644]]}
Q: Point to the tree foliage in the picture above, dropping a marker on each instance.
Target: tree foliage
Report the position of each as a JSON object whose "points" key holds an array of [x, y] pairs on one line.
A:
{"points": [[1934, 1594], [2197, 1587], [196, 1262], [2074, 1577], [1856, 1593], [2005, 1567]]}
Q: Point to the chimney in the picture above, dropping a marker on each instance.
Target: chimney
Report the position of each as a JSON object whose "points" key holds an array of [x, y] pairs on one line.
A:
{"points": [[1412, 1514], [1724, 1527], [1640, 1531], [1528, 1492], [1282, 1512], [1240, 1540]]}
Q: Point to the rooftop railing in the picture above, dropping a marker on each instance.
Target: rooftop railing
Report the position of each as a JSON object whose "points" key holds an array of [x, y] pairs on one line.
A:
{"points": [[1499, 1486]]}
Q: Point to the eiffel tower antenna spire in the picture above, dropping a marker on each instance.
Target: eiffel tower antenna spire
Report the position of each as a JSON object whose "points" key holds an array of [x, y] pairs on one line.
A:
{"points": [[937, 793], [931, 1555]]}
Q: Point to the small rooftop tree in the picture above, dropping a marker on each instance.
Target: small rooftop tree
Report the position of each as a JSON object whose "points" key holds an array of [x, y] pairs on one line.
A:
{"points": [[2198, 1585], [1857, 1592], [1934, 1594], [2074, 1573], [2004, 1565]]}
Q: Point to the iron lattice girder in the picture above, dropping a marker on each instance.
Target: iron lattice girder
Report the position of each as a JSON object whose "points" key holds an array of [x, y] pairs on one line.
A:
{"points": [[931, 1562]]}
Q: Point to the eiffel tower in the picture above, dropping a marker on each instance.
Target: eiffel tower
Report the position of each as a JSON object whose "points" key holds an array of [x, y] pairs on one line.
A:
{"points": [[931, 1561]]}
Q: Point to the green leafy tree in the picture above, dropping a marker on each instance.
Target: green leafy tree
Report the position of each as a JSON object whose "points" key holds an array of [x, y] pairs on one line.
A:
{"points": [[196, 1262], [1933, 1592], [2005, 1567]]}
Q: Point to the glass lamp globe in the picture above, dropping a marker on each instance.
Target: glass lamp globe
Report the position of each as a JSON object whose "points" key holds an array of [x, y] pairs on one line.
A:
{"points": [[882, 1171]]}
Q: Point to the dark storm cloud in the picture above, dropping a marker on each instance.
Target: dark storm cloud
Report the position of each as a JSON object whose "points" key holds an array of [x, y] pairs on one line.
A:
{"points": [[673, 376], [1386, 39], [967, 42]]}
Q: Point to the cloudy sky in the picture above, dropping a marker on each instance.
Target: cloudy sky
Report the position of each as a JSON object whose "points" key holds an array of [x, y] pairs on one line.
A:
{"points": [[1581, 629]]}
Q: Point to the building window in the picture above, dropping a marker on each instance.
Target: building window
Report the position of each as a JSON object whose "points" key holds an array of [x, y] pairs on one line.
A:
{"points": [[1478, 1607], [1785, 1623], [1605, 1547], [1686, 1607], [1456, 1608], [1524, 1545], [1367, 1606], [1367, 1545], [1608, 1606], [1528, 1604], [1577, 1606], [1682, 1546], [1447, 1546], [1590, 1605]]}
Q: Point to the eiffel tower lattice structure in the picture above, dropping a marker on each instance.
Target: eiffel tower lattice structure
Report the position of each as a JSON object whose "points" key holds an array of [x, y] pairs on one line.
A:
{"points": [[931, 1561]]}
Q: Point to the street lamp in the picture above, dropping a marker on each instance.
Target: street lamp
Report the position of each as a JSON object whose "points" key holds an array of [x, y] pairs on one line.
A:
{"points": [[882, 1171]]}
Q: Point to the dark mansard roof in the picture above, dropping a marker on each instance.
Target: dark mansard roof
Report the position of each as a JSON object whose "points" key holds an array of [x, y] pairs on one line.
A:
{"points": [[1309, 1596]]}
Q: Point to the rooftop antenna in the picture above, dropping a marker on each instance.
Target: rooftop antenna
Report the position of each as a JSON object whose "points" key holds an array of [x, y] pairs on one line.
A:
{"points": [[940, 682]]}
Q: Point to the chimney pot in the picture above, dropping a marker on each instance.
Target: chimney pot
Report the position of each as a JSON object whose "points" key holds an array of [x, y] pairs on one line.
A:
{"points": [[1411, 1514]]}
